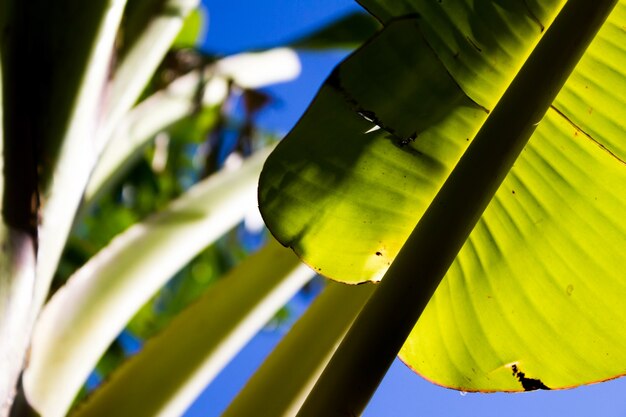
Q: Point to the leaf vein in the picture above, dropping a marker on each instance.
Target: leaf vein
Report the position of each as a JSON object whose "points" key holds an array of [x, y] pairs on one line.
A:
{"points": [[587, 135]]}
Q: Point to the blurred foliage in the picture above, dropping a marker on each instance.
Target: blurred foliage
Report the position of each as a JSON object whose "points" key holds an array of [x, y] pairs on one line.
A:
{"points": [[192, 31], [149, 187], [179, 157], [187, 152]]}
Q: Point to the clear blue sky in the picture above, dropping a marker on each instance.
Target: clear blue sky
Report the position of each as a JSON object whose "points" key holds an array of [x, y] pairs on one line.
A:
{"points": [[238, 25]]}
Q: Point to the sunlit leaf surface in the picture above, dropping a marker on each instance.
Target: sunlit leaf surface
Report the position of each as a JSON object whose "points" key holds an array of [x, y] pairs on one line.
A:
{"points": [[534, 297]]}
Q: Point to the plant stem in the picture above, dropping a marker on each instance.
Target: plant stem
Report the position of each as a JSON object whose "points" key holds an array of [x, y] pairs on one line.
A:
{"points": [[81, 320], [165, 107], [201, 340], [147, 48], [18, 184], [67, 154], [299, 359], [135, 130], [378, 333]]}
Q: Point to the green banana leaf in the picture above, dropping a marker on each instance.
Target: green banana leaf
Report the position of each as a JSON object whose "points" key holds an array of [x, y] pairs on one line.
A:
{"points": [[348, 32], [533, 299]]}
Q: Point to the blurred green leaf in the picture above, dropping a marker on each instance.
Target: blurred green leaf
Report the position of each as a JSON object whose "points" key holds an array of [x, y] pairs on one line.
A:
{"points": [[348, 32], [84, 316], [192, 30], [182, 290], [195, 127], [201, 340]]}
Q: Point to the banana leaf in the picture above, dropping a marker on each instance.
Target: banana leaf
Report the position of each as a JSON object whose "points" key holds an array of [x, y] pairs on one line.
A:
{"points": [[533, 298]]}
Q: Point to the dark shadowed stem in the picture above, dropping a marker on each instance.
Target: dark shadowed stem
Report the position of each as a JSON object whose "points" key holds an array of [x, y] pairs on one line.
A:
{"points": [[371, 345]]}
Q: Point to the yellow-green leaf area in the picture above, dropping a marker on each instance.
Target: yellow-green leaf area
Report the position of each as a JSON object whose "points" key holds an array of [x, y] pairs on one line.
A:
{"points": [[345, 196], [480, 42], [352, 181], [593, 97], [192, 31], [539, 286], [534, 299]]}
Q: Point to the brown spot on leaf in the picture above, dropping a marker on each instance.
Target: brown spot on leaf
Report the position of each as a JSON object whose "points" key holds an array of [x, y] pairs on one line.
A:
{"points": [[529, 384]]}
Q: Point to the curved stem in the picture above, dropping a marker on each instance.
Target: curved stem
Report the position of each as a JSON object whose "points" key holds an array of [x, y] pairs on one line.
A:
{"points": [[81, 320], [301, 356], [141, 59], [201, 340]]}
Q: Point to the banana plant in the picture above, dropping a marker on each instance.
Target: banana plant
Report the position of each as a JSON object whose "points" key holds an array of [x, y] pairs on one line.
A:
{"points": [[514, 267], [98, 106], [420, 126], [86, 100]]}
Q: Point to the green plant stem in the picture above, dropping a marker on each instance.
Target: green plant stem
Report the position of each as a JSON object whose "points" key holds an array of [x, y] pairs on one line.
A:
{"points": [[301, 356], [177, 101], [200, 341], [84, 317], [68, 150], [378, 333], [143, 55], [134, 132], [48, 119], [17, 278], [17, 236]]}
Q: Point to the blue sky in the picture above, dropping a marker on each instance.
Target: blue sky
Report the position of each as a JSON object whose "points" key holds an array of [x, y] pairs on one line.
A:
{"points": [[238, 25]]}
